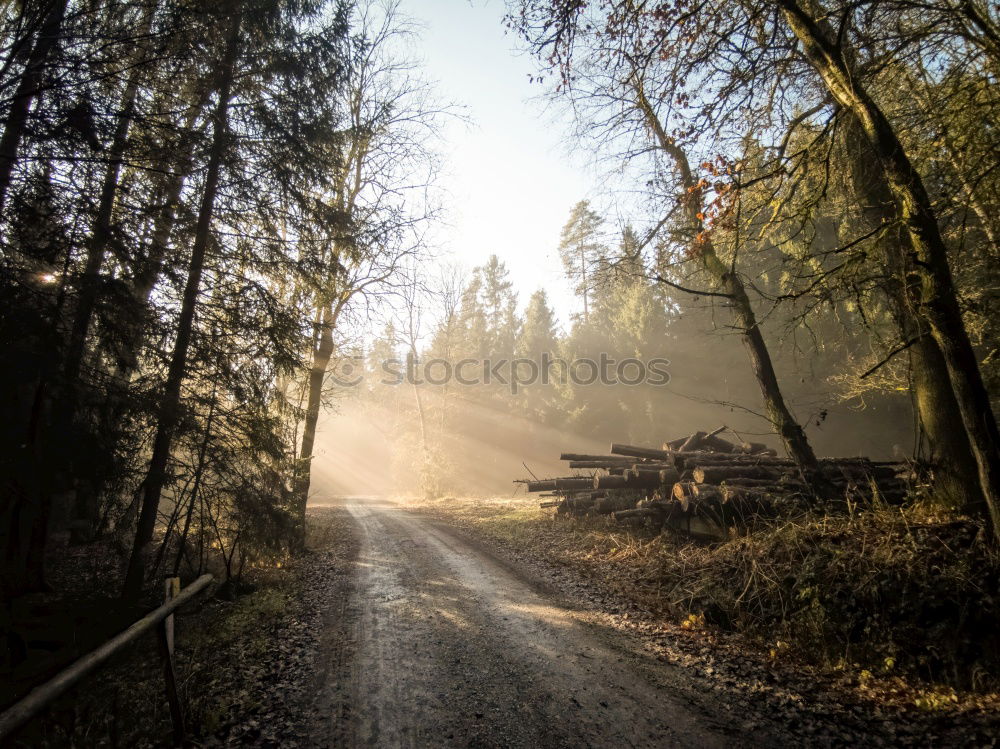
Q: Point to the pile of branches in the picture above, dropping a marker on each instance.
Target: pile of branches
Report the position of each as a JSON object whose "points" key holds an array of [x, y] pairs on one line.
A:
{"points": [[704, 484]]}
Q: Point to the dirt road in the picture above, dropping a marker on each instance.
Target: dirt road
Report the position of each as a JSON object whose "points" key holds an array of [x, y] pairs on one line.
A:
{"points": [[438, 643]]}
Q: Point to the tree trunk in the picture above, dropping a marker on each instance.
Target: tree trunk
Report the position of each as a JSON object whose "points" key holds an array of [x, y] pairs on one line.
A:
{"points": [[100, 235], [24, 505], [791, 433], [954, 464], [85, 509], [170, 403], [170, 191], [425, 454], [27, 90], [938, 300], [196, 488], [88, 495], [322, 352], [934, 400], [148, 272]]}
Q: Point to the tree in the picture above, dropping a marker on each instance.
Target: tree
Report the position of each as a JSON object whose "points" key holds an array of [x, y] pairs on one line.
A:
{"points": [[581, 251], [169, 406], [164, 284], [938, 298], [539, 337], [28, 89], [743, 100], [499, 303], [385, 167], [619, 103], [539, 332]]}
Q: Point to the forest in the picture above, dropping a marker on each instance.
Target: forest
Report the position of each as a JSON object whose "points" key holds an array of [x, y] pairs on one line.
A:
{"points": [[194, 195], [219, 299]]}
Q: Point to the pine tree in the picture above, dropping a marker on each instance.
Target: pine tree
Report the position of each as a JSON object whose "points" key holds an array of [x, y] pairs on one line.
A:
{"points": [[499, 304], [582, 252], [541, 400]]}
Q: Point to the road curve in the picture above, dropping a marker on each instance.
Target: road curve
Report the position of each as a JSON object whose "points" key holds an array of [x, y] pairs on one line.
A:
{"points": [[439, 644]]}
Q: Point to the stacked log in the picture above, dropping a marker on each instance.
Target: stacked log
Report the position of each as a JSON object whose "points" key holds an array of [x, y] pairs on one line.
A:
{"points": [[637, 478], [644, 453], [704, 484], [631, 477], [614, 502]]}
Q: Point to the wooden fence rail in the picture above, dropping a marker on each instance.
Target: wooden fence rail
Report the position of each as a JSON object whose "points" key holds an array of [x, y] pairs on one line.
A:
{"points": [[42, 695]]}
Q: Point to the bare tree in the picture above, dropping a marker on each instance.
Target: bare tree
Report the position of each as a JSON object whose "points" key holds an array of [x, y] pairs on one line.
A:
{"points": [[380, 190]]}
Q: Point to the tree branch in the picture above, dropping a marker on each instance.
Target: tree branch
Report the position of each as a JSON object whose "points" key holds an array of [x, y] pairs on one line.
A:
{"points": [[887, 359], [696, 292]]}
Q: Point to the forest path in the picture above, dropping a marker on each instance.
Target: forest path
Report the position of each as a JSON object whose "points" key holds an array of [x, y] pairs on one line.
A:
{"points": [[438, 643]]}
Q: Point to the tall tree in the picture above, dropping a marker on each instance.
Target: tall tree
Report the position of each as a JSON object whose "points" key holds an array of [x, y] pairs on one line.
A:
{"points": [[582, 251], [170, 403], [539, 342], [938, 298], [733, 290], [749, 101], [386, 144], [28, 90]]}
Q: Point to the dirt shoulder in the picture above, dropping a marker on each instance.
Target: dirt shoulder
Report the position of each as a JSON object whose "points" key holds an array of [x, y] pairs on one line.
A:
{"points": [[612, 571], [277, 679]]}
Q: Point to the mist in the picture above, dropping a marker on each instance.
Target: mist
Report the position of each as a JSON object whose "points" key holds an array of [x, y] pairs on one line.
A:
{"points": [[383, 437]]}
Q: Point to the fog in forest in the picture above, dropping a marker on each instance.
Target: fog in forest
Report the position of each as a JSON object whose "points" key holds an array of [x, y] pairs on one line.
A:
{"points": [[379, 435]]}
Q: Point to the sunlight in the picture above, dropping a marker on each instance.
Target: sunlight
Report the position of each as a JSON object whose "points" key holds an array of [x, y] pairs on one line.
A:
{"points": [[356, 456]]}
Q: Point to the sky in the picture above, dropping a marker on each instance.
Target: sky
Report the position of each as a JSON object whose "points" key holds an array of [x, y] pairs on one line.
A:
{"points": [[509, 178]]}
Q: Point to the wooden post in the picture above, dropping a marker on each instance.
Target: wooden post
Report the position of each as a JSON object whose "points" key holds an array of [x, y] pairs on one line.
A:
{"points": [[165, 632], [171, 589]]}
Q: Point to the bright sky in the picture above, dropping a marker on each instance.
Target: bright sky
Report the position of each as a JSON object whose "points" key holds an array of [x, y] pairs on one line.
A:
{"points": [[510, 179]]}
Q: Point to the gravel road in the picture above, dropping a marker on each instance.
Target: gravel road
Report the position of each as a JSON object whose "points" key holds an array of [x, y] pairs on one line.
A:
{"points": [[439, 643]]}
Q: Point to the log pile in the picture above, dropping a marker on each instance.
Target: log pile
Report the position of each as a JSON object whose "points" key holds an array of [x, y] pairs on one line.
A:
{"points": [[705, 485]]}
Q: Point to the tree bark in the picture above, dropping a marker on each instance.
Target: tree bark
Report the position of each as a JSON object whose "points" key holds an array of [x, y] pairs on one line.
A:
{"points": [[938, 299], [170, 403], [27, 90]]}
